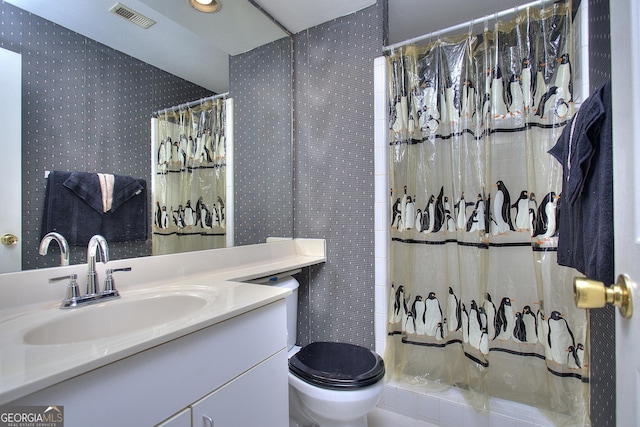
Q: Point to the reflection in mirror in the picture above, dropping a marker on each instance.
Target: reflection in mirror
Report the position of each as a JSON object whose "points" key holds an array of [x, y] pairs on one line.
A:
{"points": [[86, 107], [10, 210], [193, 176], [261, 87]]}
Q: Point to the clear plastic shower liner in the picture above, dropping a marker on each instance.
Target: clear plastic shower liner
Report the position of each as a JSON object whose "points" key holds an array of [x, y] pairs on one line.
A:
{"points": [[476, 298]]}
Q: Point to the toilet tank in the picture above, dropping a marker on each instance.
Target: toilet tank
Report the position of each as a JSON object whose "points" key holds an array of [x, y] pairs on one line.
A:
{"points": [[292, 308], [287, 282]]}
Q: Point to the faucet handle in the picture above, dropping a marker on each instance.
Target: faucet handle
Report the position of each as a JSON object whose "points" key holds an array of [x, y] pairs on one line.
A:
{"points": [[109, 283], [73, 290]]}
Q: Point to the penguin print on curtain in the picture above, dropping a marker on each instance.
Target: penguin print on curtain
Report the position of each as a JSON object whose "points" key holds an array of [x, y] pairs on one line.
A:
{"points": [[476, 297], [190, 181]]}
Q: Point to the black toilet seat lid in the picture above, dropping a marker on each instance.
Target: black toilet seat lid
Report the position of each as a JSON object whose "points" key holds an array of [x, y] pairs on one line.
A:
{"points": [[337, 365]]}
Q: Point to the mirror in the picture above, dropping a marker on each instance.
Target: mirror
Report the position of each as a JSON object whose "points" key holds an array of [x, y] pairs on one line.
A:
{"points": [[88, 107]]}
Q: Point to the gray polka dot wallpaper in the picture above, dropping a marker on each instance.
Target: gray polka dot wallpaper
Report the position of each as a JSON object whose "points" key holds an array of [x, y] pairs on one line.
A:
{"points": [[85, 107], [331, 182], [260, 85], [334, 175], [602, 321]]}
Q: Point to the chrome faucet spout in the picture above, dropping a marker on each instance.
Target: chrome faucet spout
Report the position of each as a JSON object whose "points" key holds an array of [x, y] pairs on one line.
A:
{"points": [[97, 245], [62, 243]]}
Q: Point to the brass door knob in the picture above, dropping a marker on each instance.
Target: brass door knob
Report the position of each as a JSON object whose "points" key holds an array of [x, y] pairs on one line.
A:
{"points": [[589, 293], [9, 239]]}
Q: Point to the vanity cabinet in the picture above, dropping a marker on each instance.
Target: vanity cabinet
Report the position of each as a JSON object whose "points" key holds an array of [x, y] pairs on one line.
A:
{"points": [[234, 371]]}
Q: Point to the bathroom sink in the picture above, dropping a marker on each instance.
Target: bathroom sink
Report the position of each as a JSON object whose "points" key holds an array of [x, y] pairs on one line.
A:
{"points": [[114, 318]]}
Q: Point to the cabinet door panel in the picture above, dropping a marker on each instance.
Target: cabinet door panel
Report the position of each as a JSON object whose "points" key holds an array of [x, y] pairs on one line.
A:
{"points": [[256, 398]]}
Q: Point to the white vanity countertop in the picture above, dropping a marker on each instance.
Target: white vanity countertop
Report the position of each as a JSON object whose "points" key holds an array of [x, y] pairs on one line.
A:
{"points": [[214, 280]]}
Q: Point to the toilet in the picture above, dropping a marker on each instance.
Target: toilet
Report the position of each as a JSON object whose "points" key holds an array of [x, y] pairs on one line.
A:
{"points": [[330, 384]]}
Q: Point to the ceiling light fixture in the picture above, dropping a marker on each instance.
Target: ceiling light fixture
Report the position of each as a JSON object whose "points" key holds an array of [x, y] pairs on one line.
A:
{"points": [[207, 6]]}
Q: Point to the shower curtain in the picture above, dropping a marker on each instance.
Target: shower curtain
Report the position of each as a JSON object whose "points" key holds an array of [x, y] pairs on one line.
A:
{"points": [[189, 196], [476, 299]]}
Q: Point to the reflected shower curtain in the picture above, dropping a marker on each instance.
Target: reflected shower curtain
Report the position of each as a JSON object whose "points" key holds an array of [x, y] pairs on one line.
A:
{"points": [[476, 299], [189, 199]]}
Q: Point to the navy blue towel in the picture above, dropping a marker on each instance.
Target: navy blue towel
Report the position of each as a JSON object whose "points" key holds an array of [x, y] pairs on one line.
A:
{"points": [[73, 208], [585, 229]]}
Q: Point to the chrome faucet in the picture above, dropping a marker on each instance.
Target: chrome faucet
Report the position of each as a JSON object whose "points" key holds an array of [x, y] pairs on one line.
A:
{"points": [[96, 244], [62, 243]]}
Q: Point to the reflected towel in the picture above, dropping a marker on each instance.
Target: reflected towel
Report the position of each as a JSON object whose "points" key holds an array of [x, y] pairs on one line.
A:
{"points": [[74, 208], [106, 187], [64, 212], [127, 220]]}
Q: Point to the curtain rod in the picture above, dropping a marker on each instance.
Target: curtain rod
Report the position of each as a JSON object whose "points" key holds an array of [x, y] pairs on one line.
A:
{"points": [[192, 103], [467, 24]]}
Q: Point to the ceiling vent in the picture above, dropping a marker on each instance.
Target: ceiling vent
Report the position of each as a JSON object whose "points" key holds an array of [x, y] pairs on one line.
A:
{"points": [[132, 16]]}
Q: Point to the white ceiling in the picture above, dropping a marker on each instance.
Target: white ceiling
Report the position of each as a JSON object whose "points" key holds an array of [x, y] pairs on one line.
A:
{"points": [[196, 46]]}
